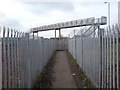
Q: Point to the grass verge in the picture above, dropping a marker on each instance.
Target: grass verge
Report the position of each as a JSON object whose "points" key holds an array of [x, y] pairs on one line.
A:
{"points": [[80, 75], [44, 78]]}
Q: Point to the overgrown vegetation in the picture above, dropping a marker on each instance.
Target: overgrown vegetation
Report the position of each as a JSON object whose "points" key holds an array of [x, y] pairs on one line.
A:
{"points": [[40, 82], [85, 80], [44, 78]]}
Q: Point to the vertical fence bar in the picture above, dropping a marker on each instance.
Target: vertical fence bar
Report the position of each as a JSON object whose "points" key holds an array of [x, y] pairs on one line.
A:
{"points": [[102, 58], [43, 52], [8, 58], [107, 59], [117, 55], [15, 83], [97, 59], [12, 60], [22, 60], [21, 65], [100, 67], [113, 58], [29, 46], [20, 73], [75, 45], [25, 60], [82, 50], [17, 52], [32, 48], [94, 36], [0, 60], [110, 61], [30, 42], [29, 62], [19, 86], [4, 59]]}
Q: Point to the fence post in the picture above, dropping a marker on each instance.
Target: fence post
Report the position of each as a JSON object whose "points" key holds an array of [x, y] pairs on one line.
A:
{"points": [[82, 47], [15, 60], [100, 68], [0, 60], [43, 52], [4, 58], [117, 55], [28, 61], [12, 58], [75, 46], [101, 58], [8, 53]]}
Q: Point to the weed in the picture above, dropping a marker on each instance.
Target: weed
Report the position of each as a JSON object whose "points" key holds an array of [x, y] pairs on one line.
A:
{"points": [[85, 80]]}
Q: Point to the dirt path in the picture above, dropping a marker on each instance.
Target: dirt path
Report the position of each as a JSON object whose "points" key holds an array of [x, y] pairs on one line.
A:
{"points": [[62, 73]]}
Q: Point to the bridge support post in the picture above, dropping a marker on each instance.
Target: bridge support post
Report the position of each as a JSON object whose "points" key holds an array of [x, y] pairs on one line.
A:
{"points": [[33, 35], [59, 42], [37, 35], [55, 33], [55, 39], [59, 34]]}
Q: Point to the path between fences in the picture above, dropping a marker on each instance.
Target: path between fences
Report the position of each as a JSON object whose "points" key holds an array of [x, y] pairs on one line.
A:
{"points": [[62, 73]]}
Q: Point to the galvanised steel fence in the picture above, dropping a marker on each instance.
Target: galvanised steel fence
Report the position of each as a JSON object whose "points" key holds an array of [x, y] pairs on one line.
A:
{"points": [[22, 57], [97, 53]]}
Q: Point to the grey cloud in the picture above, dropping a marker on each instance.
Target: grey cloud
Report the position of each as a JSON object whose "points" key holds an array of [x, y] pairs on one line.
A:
{"points": [[45, 7]]}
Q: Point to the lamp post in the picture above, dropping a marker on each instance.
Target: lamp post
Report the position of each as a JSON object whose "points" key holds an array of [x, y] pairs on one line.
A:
{"points": [[108, 13]]}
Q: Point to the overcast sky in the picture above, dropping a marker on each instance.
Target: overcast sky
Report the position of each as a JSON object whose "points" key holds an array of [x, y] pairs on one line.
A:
{"points": [[25, 14]]}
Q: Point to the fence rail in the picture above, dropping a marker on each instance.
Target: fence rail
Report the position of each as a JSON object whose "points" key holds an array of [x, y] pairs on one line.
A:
{"points": [[97, 53], [22, 57]]}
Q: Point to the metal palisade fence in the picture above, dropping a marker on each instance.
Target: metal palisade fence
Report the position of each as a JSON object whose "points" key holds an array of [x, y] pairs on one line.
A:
{"points": [[97, 53], [22, 57]]}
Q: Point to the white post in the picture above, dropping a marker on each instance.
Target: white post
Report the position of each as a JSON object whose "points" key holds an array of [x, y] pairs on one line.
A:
{"points": [[108, 13], [0, 61], [119, 13]]}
